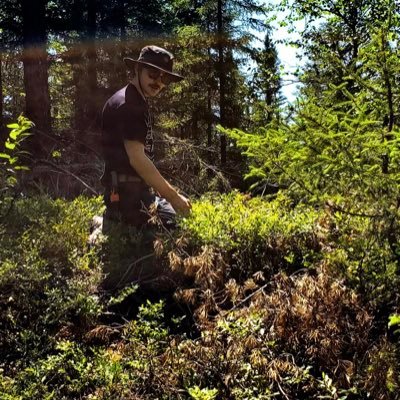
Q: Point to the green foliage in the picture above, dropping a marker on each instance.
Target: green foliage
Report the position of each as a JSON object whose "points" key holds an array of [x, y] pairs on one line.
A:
{"points": [[69, 365], [72, 370], [383, 366], [48, 276], [265, 84], [202, 394], [331, 392], [18, 132], [318, 157], [124, 293], [9, 160], [149, 328], [270, 281], [229, 220], [258, 338], [254, 233], [394, 321], [340, 151]]}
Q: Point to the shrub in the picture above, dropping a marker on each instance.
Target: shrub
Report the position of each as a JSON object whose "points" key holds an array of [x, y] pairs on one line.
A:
{"points": [[285, 337], [10, 163], [253, 233], [48, 276]]}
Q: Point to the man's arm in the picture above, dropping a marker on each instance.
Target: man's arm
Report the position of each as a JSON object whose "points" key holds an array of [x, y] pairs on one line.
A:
{"points": [[150, 174]]}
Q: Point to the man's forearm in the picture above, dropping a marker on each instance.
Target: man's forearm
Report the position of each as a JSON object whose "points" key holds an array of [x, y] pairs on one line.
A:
{"points": [[150, 174]]}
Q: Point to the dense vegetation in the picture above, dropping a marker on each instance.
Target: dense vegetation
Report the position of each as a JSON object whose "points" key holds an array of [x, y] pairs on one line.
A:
{"points": [[285, 289]]}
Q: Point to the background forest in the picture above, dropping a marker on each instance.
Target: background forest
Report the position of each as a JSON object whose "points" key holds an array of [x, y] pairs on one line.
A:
{"points": [[283, 283]]}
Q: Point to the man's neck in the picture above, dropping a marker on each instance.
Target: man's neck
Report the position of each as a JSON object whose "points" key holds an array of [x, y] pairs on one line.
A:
{"points": [[135, 82]]}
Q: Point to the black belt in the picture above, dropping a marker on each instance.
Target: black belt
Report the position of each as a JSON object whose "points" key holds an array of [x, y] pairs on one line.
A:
{"points": [[122, 178]]}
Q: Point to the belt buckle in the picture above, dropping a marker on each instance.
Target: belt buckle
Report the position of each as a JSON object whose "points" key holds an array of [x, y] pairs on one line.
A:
{"points": [[125, 178], [122, 178]]}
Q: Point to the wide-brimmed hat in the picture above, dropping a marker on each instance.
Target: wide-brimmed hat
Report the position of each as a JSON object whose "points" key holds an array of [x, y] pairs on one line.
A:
{"points": [[156, 57]]}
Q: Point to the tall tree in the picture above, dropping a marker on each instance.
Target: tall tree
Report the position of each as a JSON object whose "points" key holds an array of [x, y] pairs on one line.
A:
{"points": [[83, 58], [233, 20], [265, 84], [216, 64], [92, 11], [34, 38], [221, 78], [2, 136], [332, 47]]}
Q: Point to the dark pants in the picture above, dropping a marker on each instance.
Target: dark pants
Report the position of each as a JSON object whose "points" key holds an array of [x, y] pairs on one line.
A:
{"points": [[135, 202], [134, 261]]}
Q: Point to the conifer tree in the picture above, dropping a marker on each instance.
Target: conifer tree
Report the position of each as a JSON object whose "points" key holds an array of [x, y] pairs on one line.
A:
{"points": [[266, 83]]}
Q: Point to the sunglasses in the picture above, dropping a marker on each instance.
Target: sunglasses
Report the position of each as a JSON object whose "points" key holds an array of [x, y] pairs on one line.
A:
{"points": [[155, 73]]}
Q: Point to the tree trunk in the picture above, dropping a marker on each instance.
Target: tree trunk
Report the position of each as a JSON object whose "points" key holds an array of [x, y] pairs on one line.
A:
{"points": [[78, 67], [121, 68], [389, 120], [37, 88], [209, 94], [91, 95], [37, 98], [209, 118], [221, 79], [2, 127], [117, 71], [122, 20], [84, 64]]}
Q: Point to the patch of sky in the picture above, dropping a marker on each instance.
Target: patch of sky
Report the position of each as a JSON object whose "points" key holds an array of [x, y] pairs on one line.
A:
{"points": [[284, 35]]}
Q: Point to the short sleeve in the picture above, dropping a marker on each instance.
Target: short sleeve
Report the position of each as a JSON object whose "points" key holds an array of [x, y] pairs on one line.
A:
{"points": [[132, 123]]}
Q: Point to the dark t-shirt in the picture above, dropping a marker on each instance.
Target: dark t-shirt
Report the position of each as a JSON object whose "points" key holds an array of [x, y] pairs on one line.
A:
{"points": [[125, 116]]}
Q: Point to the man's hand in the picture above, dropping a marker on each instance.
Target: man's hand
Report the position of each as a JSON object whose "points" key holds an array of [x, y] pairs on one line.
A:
{"points": [[181, 204], [150, 174]]}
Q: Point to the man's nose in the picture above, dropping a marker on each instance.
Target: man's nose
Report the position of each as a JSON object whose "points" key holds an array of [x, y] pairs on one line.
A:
{"points": [[160, 79]]}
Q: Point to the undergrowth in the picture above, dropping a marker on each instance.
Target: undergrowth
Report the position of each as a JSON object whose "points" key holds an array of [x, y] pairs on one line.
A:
{"points": [[275, 293]]}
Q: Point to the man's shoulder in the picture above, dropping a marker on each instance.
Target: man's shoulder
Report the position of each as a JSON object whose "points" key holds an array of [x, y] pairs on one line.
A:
{"points": [[117, 99], [132, 96], [128, 96]]}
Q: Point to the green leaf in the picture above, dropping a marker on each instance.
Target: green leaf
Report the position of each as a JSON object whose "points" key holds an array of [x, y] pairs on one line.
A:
{"points": [[11, 180], [10, 145], [14, 134], [4, 155], [13, 126], [394, 320], [123, 294]]}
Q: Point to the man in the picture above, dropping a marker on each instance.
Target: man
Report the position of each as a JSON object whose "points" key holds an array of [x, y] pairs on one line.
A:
{"points": [[130, 175]]}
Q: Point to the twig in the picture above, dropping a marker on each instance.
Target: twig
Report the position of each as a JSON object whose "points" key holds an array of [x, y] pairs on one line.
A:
{"points": [[65, 139], [130, 266], [353, 214], [41, 161], [282, 391], [246, 299]]}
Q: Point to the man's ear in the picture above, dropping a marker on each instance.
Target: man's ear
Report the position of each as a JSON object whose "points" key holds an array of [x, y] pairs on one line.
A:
{"points": [[132, 72]]}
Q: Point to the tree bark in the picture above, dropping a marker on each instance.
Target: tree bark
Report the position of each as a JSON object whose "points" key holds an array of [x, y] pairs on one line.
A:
{"points": [[221, 78], [84, 63], [389, 120], [209, 94], [121, 68], [2, 128], [37, 97], [122, 18], [209, 118], [78, 66], [92, 63]]}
